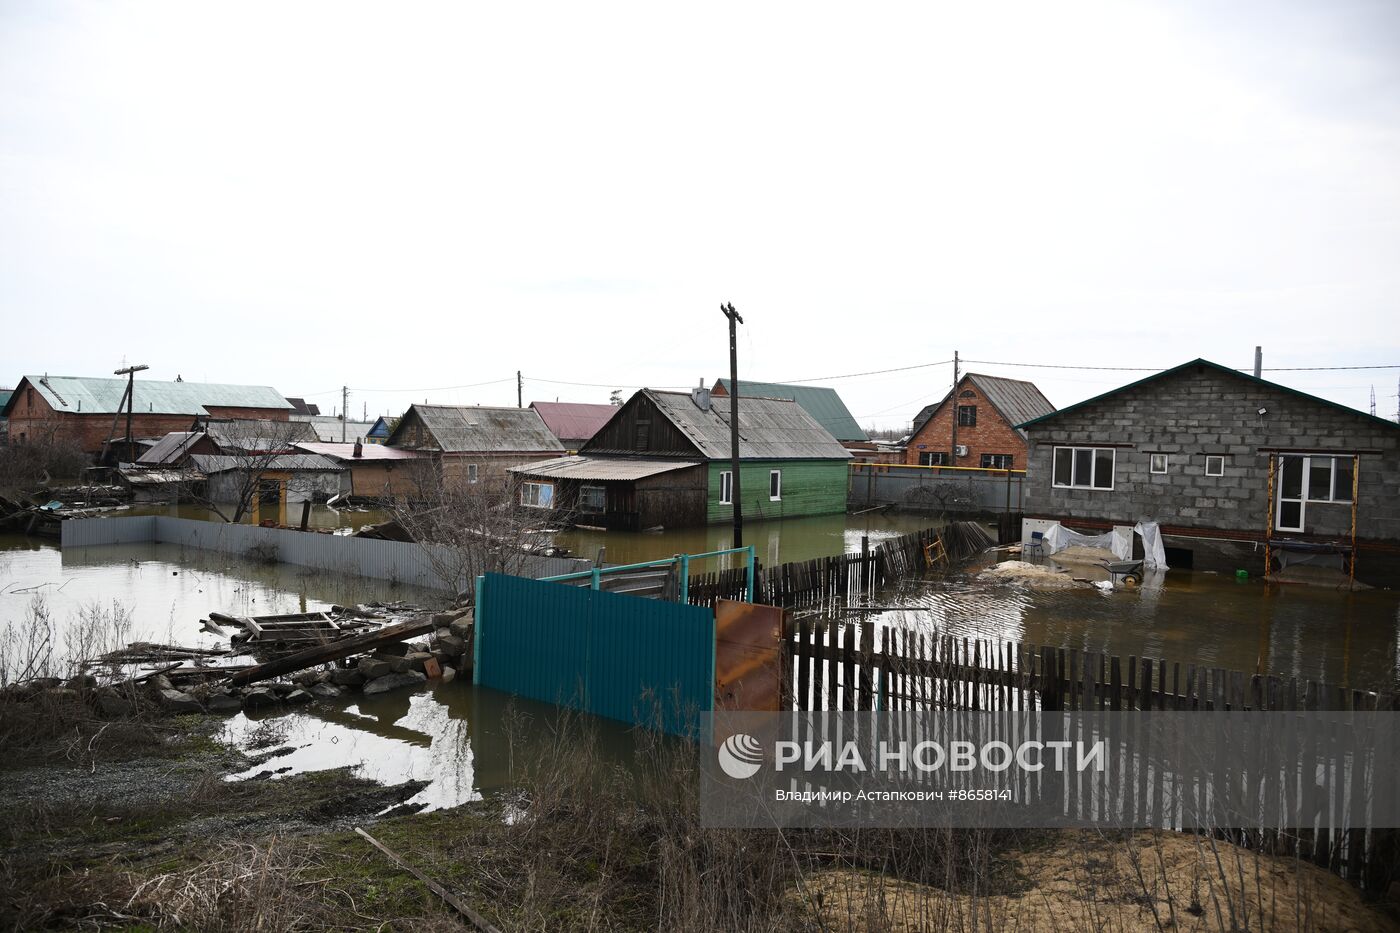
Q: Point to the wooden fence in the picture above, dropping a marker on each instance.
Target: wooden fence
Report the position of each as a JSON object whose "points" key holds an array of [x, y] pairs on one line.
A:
{"points": [[839, 665]]}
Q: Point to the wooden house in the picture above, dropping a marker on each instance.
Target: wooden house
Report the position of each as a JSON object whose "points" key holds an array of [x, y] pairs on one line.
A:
{"points": [[975, 425], [380, 430], [662, 460], [376, 471], [1241, 473], [83, 410], [473, 445]]}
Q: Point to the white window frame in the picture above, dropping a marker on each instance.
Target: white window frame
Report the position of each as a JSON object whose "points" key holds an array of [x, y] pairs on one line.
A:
{"points": [[531, 498], [1010, 461], [1093, 468], [473, 473], [726, 488], [941, 454], [1220, 459], [1152, 461], [772, 475]]}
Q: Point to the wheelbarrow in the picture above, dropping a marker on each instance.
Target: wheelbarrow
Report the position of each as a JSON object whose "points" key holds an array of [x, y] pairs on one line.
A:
{"points": [[1127, 572]]}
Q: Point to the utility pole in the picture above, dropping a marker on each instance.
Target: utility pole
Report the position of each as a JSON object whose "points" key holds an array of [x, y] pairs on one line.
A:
{"points": [[344, 410], [734, 497], [130, 373], [953, 448], [1258, 362], [519, 390]]}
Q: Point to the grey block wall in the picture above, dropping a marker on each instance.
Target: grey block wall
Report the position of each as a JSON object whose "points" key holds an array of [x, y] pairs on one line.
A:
{"points": [[1202, 411]]}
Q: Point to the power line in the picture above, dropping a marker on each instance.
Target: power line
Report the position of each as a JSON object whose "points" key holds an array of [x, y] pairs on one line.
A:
{"points": [[873, 372], [471, 385], [603, 385]]}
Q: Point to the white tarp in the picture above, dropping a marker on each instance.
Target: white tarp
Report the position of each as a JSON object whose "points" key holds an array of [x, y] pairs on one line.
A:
{"points": [[1119, 542]]}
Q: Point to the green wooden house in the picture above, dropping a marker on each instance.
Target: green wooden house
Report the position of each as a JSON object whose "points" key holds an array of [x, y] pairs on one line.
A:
{"points": [[663, 460]]}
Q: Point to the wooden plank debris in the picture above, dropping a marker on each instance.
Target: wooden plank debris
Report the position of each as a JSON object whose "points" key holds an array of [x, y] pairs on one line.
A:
{"points": [[480, 922]]}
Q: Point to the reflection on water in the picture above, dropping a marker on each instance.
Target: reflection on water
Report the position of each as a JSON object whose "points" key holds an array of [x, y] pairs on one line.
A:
{"points": [[167, 588], [776, 542], [454, 736], [1181, 616]]}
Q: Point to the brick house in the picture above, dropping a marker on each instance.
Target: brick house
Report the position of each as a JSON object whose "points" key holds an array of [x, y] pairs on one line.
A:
{"points": [[80, 409], [1232, 467], [984, 419]]}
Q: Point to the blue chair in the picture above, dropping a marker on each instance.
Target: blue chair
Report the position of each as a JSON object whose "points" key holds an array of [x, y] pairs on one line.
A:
{"points": [[1037, 545]]}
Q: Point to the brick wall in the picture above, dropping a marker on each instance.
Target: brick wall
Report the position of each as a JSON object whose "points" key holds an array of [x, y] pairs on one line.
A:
{"points": [[991, 435], [1200, 412]]}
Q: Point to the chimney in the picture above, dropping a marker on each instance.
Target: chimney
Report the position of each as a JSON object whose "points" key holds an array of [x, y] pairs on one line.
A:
{"points": [[359, 448], [701, 396], [1258, 362]]}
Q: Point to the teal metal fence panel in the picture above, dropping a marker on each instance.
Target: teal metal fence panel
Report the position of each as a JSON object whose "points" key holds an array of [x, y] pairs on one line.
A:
{"points": [[623, 657]]}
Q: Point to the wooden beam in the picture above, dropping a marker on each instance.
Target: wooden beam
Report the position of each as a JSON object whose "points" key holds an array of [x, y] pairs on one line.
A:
{"points": [[335, 650], [480, 922]]}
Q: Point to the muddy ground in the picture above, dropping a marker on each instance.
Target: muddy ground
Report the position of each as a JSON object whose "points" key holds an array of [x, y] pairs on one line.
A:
{"points": [[132, 825]]}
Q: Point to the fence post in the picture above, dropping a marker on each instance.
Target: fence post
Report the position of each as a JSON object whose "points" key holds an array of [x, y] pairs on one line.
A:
{"points": [[476, 629], [752, 560], [596, 581], [685, 578]]}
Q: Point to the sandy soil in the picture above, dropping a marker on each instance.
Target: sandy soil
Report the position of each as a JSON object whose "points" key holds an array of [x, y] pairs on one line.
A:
{"points": [[1083, 881], [1039, 576]]}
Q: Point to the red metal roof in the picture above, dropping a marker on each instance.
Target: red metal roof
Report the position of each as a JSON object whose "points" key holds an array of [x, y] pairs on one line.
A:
{"points": [[367, 451], [574, 420]]}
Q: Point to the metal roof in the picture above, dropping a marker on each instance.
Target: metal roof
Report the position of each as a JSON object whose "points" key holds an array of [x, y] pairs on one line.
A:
{"points": [[1248, 377], [574, 420], [92, 395], [327, 427], [221, 463], [367, 452], [1017, 400], [159, 477], [169, 448], [769, 428], [467, 429], [602, 468], [820, 402], [254, 435]]}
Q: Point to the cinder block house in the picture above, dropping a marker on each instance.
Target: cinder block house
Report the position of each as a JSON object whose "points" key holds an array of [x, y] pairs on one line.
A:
{"points": [[663, 460], [1234, 468], [473, 445], [975, 424], [82, 409]]}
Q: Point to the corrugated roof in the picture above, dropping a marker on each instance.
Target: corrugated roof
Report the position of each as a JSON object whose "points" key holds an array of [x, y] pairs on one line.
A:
{"points": [[328, 427], [160, 477], [220, 463], [574, 420], [769, 428], [169, 448], [820, 402], [468, 429], [602, 468], [92, 395], [367, 451], [255, 435], [1017, 400]]}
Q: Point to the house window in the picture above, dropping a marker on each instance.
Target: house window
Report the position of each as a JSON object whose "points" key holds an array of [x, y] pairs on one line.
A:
{"points": [[592, 498], [1084, 467], [537, 495], [1329, 479], [933, 458], [1158, 463], [996, 461], [775, 485], [1215, 466], [726, 488], [472, 474], [967, 416]]}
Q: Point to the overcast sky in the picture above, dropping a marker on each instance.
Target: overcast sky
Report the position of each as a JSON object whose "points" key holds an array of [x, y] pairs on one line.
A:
{"points": [[407, 197]]}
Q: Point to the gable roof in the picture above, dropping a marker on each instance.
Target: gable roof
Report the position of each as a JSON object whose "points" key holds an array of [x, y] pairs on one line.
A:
{"points": [[327, 427], [209, 464], [383, 426], [253, 434], [769, 428], [470, 429], [574, 420], [1017, 400], [92, 395], [821, 402], [1247, 377]]}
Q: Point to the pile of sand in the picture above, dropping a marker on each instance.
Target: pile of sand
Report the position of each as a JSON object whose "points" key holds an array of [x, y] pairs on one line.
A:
{"points": [[1084, 881], [1034, 575], [1079, 554]]}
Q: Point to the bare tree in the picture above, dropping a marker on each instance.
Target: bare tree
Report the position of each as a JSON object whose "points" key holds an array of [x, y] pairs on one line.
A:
{"points": [[256, 462], [47, 454], [470, 528]]}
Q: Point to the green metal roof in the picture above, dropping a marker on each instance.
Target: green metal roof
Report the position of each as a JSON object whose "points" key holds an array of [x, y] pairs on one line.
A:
{"points": [[1248, 377], [91, 395], [820, 402], [5, 397]]}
